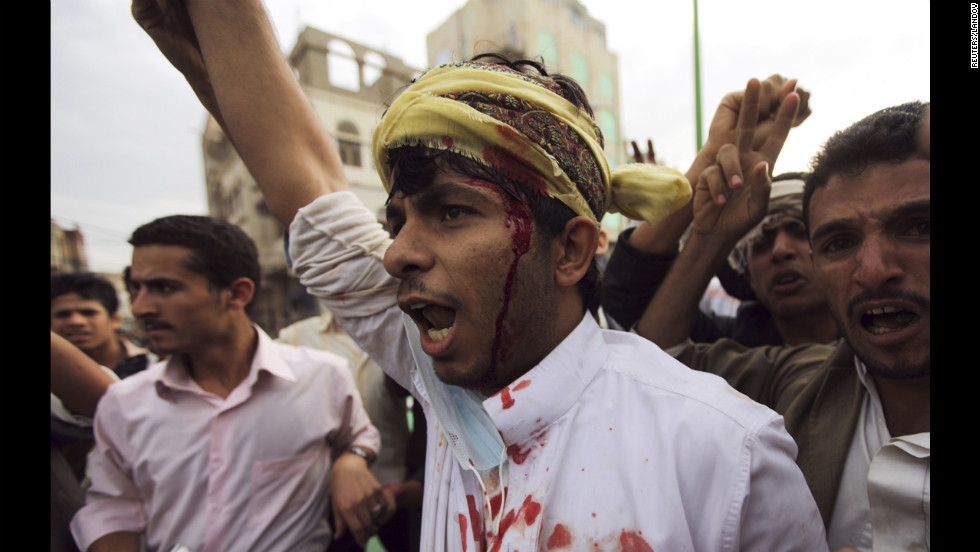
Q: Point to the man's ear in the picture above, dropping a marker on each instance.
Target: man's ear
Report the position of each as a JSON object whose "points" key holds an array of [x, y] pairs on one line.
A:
{"points": [[577, 247], [241, 292]]}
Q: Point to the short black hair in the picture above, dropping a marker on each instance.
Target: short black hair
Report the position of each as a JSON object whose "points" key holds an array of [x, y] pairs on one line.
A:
{"points": [[886, 136], [220, 251], [86, 285]]}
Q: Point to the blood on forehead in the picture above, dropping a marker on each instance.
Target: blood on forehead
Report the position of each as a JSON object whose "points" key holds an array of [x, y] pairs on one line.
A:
{"points": [[510, 165]]}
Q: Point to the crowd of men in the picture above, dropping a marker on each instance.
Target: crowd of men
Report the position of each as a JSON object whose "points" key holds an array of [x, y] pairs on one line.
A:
{"points": [[565, 407]]}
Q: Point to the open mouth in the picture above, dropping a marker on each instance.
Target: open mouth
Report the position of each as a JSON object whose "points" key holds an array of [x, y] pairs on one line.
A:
{"points": [[884, 320], [436, 320], [786, 279], [155, 326]]}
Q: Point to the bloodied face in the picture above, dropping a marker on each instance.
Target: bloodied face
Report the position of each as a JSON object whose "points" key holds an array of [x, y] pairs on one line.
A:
{"points": [[475, 277]]}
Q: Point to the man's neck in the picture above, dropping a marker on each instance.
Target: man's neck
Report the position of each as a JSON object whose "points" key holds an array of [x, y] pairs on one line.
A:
{"points": [[905, 403], [567, 318], [109, 354], [224, 364], [816, 327]]}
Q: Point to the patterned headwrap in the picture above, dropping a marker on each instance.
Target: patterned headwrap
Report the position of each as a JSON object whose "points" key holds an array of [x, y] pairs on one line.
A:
{"points": [[520, 125]]}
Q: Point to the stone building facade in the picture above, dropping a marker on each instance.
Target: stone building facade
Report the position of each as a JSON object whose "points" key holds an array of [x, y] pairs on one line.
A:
{"points": [[348, 85]]}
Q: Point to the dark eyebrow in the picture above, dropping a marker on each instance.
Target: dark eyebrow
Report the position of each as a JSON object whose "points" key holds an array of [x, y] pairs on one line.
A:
{"points": [[158, 282], [911, 208], [831, 227], [438, 190], [436, 193], [908, 209]]}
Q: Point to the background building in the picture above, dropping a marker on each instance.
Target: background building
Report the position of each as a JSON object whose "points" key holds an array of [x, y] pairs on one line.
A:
{"points": [[559, 32], [67, 249], [348, 85]]}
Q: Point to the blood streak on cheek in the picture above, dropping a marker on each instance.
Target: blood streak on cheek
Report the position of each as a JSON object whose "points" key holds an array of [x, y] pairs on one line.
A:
{"points": [[519, 218]]}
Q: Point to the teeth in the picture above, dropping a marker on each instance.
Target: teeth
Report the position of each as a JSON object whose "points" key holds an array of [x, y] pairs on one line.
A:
{"points": [[438, 335], [417, 306], [896, 318]]}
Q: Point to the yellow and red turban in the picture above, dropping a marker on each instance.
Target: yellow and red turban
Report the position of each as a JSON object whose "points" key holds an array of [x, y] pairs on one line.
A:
{"points": [[519, 124]]}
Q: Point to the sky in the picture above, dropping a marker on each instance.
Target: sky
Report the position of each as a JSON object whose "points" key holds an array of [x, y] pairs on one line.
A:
{"points": [[126, 128]]}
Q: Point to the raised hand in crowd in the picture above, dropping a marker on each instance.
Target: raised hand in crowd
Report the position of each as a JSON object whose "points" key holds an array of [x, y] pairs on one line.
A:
{"points": [[169, 25], [743, 172], [730, 197], [650, 157], [773, 93]]}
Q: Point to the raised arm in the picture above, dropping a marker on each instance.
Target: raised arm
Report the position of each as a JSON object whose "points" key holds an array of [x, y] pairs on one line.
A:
{"points": [[727, 203], [229, 54], [773, 94], [76, 379]]}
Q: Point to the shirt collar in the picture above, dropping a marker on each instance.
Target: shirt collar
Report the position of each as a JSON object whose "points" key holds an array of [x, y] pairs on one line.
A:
{"points": [[175, 375], [535, 400]]}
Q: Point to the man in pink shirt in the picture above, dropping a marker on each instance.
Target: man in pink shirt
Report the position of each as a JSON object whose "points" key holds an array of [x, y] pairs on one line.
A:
{"points": [[236, 442]]}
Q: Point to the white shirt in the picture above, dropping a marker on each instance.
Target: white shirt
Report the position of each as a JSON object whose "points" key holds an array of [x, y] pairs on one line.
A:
{"points": [[884, 499], [247, 472], [611, 443]]}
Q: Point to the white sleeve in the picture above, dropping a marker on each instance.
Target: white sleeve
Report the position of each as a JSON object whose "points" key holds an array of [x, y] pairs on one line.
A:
{"points": [[779, 511], [337, 247]]}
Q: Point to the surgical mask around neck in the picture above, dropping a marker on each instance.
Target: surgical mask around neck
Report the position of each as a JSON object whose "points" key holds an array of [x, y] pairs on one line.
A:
{"points": [[467, 425]]}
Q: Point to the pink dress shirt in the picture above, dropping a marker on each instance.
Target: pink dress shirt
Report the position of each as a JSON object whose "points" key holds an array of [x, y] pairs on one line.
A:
{"points": [[249, 472]]}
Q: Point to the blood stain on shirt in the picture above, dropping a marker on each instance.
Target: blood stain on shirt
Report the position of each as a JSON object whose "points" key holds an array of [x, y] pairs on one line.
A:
{"points": [[462, 530], [476, 520], [504, 526], [560, 538], [517, 455], [505, 399], [495, 502], [522, 385], [632, 542], [531, 510]]}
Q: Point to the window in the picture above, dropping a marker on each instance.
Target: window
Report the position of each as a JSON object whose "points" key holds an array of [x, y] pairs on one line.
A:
{"points": [[350, 152], [580, 69], [606, 88], [374, 65], [548, 48], [342, 68], [348, 145]]}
